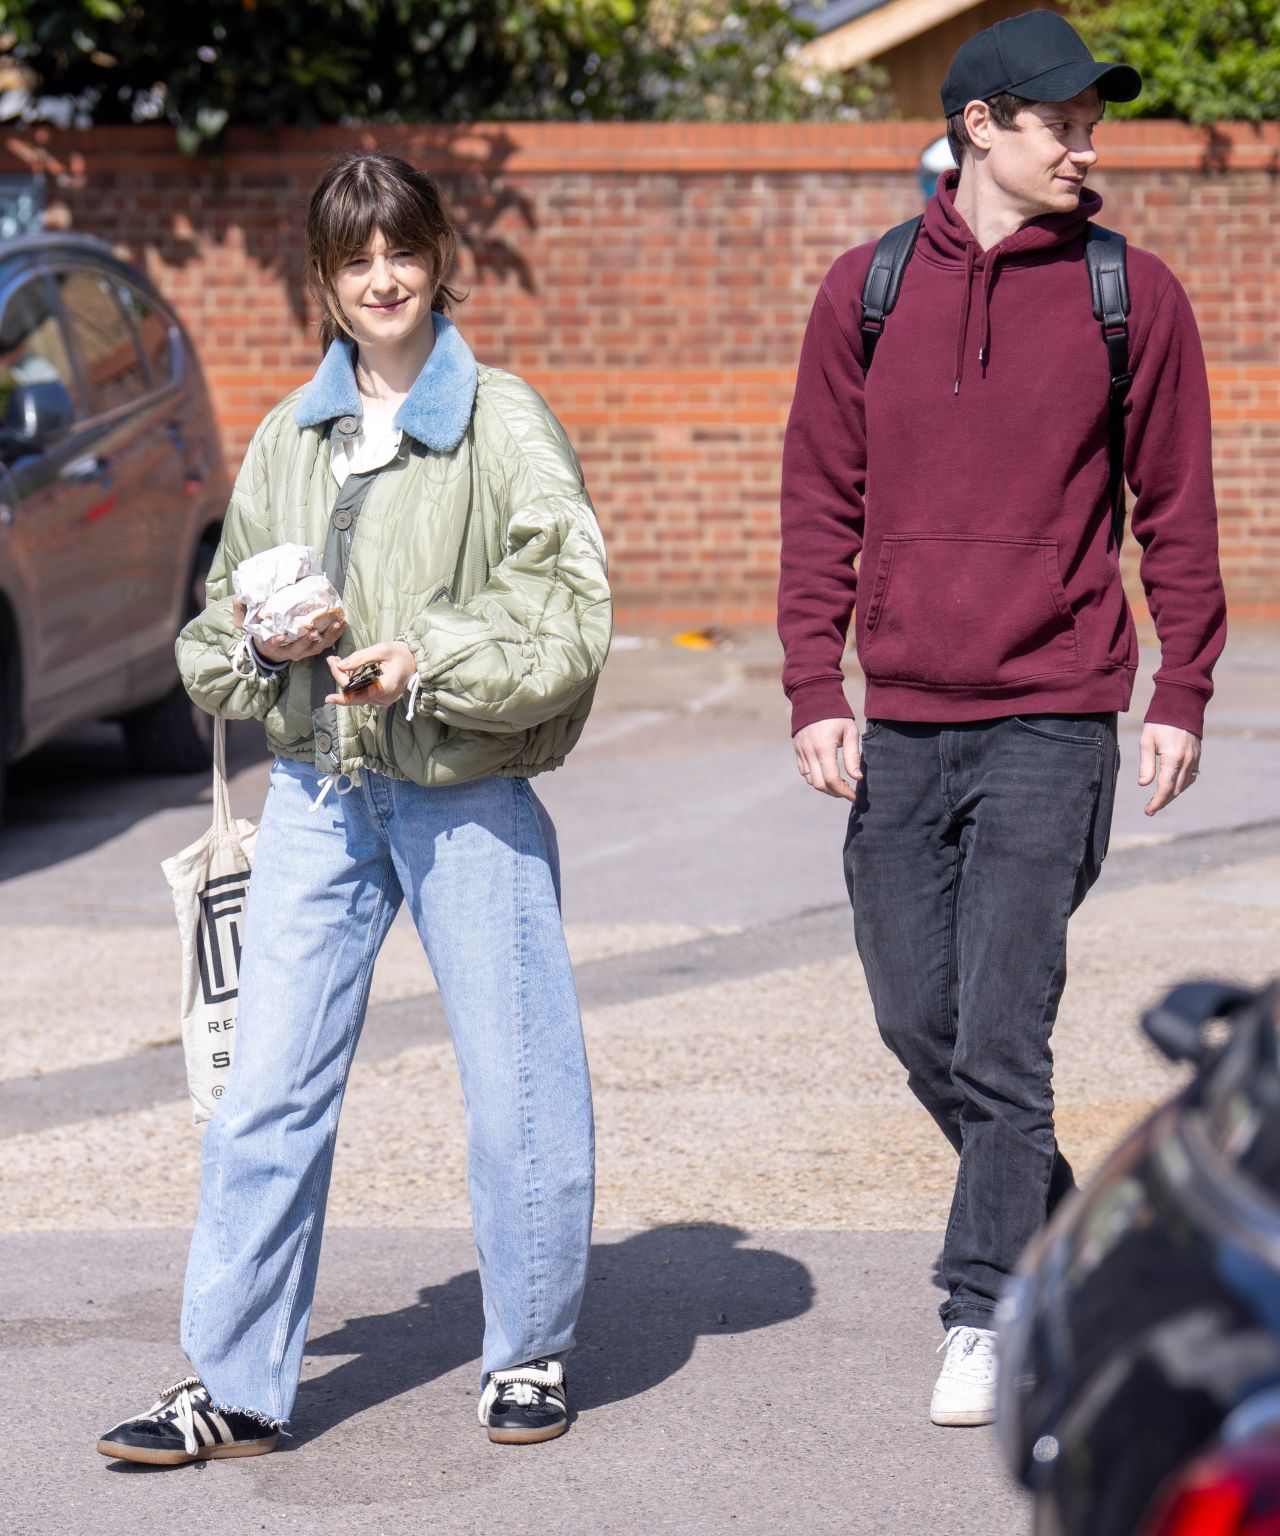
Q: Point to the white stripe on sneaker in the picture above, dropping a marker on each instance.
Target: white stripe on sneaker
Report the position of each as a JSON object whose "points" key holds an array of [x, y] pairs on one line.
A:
{"points": [[212, 1416]]}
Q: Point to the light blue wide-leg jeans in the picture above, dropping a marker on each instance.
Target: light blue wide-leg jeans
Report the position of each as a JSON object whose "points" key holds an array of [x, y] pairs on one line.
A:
{"points": [[478, 866]]}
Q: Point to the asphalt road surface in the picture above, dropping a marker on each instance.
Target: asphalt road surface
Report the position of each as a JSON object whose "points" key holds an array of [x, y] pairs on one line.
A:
{"points": [[757, 1345]]}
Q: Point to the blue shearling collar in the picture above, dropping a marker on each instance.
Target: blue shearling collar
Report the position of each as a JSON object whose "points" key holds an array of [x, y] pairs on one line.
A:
{"points": [[435, 411]]}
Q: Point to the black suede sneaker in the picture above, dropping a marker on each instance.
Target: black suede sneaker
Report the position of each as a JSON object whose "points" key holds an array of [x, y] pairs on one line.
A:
{"points": [[182, 1426], [525, 1404]]}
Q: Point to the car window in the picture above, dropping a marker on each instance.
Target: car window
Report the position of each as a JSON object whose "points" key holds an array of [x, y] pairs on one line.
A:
{"points": [[33, 349], [105, 339], [153, 332]]}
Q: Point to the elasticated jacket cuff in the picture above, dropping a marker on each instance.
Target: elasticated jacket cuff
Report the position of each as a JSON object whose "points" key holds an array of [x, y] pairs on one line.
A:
{"points": [[1174, 704], [822, 698], [264, 667]]}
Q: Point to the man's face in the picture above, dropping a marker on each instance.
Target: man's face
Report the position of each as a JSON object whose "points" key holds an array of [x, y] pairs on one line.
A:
{"points": [[1040, 164]]}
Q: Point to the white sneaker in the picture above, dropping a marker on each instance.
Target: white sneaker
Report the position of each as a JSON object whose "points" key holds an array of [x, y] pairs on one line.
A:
{"points": [[966, 1389]]}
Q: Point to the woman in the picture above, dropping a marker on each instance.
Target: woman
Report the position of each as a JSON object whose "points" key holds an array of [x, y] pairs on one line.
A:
{"points": [[452, 515]]}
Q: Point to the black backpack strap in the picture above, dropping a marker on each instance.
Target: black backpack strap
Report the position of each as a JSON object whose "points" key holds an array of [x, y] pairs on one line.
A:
{"points": [[1104, 256], [884, 279]]}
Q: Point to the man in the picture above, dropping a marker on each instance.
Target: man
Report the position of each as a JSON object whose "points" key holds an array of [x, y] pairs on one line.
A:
{"points": [[967, 474]]}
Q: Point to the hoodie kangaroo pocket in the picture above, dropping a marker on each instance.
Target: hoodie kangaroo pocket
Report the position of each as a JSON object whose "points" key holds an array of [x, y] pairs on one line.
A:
{"points": [[960, 611]]}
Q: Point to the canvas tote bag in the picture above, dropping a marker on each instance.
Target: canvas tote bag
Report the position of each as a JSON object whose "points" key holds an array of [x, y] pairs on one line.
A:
{"points": [[210, 882]]}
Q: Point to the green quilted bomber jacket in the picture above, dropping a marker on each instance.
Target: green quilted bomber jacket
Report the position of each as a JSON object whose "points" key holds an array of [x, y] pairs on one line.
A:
{"points": [[477, 543]]}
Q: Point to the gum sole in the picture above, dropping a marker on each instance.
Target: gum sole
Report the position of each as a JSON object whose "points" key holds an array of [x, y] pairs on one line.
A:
{"points": [[180, 1458], [527, 1436]]}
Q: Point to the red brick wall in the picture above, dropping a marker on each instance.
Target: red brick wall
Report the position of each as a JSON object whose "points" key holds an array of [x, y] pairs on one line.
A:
{"points": [[654, 282]]}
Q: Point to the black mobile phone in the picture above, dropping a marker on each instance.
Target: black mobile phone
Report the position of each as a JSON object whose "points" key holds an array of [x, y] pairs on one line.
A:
{"points": [[363, 677]]}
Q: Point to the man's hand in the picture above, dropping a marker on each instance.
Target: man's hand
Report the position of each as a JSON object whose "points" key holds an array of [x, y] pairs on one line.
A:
{"points": [[1179, 754], [398, 667], [819, 748], [311, 643]]}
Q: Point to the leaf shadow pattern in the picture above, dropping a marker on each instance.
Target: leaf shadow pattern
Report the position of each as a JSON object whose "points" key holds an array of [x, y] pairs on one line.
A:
{"points": [[170, 212], [1223, 151], [649, 1298]]}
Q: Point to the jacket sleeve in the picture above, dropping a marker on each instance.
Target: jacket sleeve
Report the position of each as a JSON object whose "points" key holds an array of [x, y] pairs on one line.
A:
{"points": [[1169, 466], [217, 668], [824, 471], [534, 639]]}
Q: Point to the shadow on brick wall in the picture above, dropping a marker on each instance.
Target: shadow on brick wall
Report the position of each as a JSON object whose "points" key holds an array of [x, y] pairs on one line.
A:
{"points": [[167, 211], [482, 197]]}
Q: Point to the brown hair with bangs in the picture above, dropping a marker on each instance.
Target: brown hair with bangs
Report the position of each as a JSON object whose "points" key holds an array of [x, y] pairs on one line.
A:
{"points": [[367, 190]]}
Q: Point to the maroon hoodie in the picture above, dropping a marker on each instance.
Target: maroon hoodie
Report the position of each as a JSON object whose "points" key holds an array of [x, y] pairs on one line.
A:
{"points": [[967, 476]]}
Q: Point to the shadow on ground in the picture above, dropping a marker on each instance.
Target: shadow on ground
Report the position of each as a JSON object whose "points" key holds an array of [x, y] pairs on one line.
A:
{"points": [[79, 791], [649, 1299]]}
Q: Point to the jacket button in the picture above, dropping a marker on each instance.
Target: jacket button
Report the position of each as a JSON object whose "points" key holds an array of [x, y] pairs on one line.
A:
{"points": [[342, 519], [324, 741], [348, 425]]}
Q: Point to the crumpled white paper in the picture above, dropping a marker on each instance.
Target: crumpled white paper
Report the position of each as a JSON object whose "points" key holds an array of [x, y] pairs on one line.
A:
{"points": [[284, 593], [254, 580]]}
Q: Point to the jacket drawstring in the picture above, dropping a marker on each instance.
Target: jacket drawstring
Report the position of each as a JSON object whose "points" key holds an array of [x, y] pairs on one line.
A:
{"points": [[330, 782], [963, 327]]}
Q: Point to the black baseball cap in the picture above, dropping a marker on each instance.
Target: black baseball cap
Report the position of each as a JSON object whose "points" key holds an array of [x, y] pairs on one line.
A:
{"points": [[1039, 55]]}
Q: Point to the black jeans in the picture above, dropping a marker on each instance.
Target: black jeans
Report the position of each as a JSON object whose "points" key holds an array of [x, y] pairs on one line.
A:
{"points": [[969, 847]]}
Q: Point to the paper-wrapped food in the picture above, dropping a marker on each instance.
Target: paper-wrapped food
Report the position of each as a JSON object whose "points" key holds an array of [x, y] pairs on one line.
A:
{"points": [[309, 604], [254, 580], [284, 593]]}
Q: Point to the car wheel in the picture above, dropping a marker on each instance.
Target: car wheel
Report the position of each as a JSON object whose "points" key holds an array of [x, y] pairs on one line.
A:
{"points": [[173, 735]]}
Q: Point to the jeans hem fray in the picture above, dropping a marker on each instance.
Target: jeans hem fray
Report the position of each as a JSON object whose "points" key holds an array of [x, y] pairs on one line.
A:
{"points": [[278, 1425]]}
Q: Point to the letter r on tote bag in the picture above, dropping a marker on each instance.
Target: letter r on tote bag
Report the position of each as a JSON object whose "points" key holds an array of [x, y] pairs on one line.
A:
{"points": [[210, 884]]}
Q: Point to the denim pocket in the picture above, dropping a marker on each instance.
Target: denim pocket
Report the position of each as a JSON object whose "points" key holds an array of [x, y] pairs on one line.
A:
{"points": [[873, 729], [1064, 728], [1106, 807]]}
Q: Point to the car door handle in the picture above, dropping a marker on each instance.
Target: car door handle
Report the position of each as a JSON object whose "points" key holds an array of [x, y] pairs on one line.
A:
{"points": [[88, 467]]}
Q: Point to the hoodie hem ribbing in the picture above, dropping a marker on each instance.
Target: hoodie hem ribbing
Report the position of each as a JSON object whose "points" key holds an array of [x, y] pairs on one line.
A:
{"points": [[1074, 693]]}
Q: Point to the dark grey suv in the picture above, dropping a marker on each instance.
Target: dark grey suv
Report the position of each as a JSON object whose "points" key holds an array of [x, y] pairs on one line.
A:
{"points": [[112, 489]]}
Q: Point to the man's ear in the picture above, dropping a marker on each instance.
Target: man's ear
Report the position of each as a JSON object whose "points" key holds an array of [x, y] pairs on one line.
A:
{"points": [[979, 124]]}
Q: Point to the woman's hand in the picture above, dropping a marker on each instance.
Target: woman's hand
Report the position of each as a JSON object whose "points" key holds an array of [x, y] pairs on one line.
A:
{"points": [[311, 642], [398, 668]]}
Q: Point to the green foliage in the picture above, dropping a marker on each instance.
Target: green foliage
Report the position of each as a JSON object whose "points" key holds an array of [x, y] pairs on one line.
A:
{"points": [[272, 63], [726, 62], [1203, 61]]}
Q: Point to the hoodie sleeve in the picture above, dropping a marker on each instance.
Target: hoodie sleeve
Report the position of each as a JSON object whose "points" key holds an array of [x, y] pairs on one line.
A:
{"points": [[824, 469], [1169, 466]]}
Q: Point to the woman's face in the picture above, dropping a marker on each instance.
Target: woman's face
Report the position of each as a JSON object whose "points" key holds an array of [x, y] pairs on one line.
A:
{"points": [[384, 293]]}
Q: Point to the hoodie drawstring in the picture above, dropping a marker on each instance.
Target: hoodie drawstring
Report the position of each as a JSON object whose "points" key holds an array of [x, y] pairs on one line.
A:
{"points": [[988, 278], [963, 326]]}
